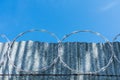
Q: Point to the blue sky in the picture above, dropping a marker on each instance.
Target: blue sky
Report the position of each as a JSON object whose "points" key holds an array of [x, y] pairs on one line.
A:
{"points": [[60, 17]]}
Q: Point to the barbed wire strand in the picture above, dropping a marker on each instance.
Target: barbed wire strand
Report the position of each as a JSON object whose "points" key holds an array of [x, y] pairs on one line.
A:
{"points": [[21, 34], [96, 33], [114, 39]]}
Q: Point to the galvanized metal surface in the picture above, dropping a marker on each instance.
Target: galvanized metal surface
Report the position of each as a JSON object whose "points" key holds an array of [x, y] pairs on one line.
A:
{"points": [[82, 57]]}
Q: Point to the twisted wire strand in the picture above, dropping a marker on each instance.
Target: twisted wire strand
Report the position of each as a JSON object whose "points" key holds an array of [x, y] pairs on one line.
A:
{"points": [[114, 39], [89, 31], [21, 34], [5, 53]]}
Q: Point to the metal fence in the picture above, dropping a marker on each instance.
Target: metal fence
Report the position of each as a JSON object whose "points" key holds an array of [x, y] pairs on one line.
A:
{"points": [[30, 60]]}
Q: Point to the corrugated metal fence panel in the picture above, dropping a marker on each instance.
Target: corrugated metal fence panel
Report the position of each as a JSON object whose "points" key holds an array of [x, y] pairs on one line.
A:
{"points": [[82, 57]]}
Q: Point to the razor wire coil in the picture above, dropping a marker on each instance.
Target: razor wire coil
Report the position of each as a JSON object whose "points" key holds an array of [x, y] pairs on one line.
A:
{"points": [[114, 39], [60, 50], [98, 34], [21, 34], [3, 36]]}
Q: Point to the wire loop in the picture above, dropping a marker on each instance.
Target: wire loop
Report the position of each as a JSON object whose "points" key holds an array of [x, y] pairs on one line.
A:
{"points": [[21, 34], [114, 39], [5, 53], [96, 33]]}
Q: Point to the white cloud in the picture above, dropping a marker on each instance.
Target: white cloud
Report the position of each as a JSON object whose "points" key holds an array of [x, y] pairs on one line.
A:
{"points": [[110, 5]]}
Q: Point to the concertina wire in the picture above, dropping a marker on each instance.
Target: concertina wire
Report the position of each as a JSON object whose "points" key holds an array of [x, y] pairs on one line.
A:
{"points": [[7, 54]]}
